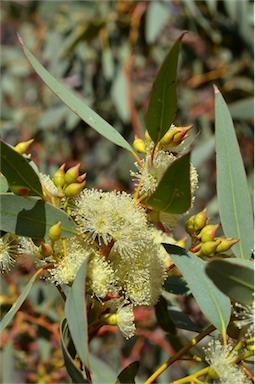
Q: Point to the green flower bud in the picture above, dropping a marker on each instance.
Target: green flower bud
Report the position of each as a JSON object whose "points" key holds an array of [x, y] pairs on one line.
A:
{"points": [[110, 319], [74, 189], [147, 137], [139, 145], [167, 139], [59, 177], [55, 232], [209, 247], [23, 146], [208, 233], [72, 174], [189, 225], [182, 242], [200, 220], [226, 244]]}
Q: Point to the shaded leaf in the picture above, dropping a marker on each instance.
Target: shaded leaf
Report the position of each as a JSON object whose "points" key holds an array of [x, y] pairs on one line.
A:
{"points": [[234, 277], [128, 374], [163, 100], [181, 320], [163, 318], [76, 315], [176, 285], [76, 104], [173, 193], [69, 353], [32, 217], [16, 306], [213, 303], [18, 171], [233, 195]]}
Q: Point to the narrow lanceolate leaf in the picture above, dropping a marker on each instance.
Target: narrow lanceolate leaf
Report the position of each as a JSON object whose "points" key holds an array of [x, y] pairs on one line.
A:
{"points": [[76, 104], [76, 315], [16, 306], [233, 196], [69, 353], [32, 217], [163, 100], [234, 277], [18, 172], [213, 303], [173, 193], [127, 376]]}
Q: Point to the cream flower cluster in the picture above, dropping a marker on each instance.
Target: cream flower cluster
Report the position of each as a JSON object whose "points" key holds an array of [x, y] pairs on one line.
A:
{"points": [[114, 220], [223, 368]]}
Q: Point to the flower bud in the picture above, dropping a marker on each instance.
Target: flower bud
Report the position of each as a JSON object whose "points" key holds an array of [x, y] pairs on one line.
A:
{"points": [[23, 146], [180, 133], [55, 232], [59, 177], [81, 178], [200, 220], [147, 137], [19, 190], [74, 189], [226, 244], [182, 242], [45, 250], [209, 247], [72, 174], [167, 139], [208, 233], [110, 319], [189, 225], [139, 145]]}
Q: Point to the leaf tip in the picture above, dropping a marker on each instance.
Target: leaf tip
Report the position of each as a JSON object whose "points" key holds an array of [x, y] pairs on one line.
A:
{"points": [[216, 90], [20, 40]]}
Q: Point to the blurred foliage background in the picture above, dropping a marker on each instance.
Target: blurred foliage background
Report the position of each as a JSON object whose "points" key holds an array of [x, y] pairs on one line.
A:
{"points": [[109, 52]]}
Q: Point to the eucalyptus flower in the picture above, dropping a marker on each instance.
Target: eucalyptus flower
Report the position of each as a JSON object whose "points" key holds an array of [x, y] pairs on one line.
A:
{"points": [[223, 368], [69, 254], [9, 250]]}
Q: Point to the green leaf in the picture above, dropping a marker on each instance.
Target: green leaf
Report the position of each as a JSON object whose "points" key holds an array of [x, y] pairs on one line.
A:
{"points": [[234, 277], [76, 315], [69, 353], [32, 217], [101, 372], [16, 306], [128, 374], [212, 302], [18, 171], [157, 16], [163, 318], [176, 285], [163, 100], [3, 184], [181, 320], [76, 104], [173, 193], [233, 195], [8, 362]]}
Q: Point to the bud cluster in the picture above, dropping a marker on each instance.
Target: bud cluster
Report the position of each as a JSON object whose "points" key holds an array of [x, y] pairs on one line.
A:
{"points": [[200, 231], [173, 138], [69, 183]]}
